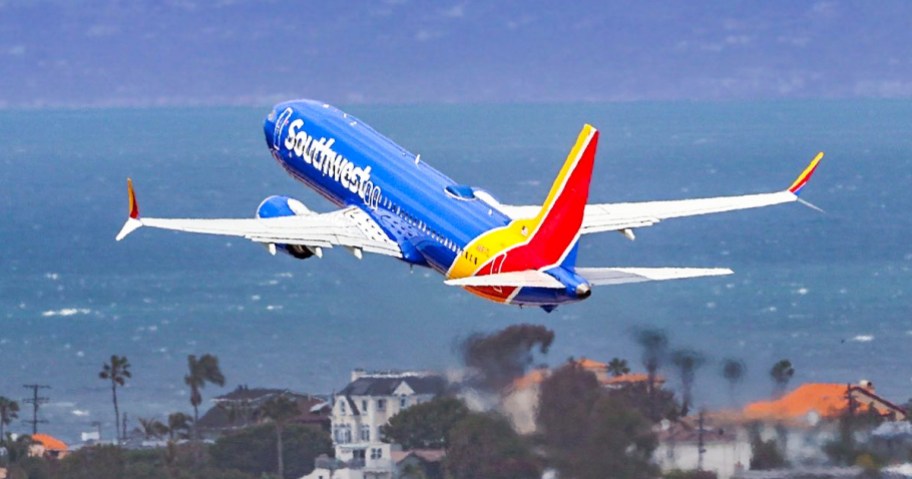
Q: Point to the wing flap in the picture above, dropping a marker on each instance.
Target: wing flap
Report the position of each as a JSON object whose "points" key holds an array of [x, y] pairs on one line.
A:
{"points": [[514, 279], [350, 227], [612, 276]]}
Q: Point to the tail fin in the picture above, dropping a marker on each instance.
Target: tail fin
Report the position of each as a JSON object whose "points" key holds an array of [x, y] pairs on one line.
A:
{"points": [[553, 233], [561, 216]]}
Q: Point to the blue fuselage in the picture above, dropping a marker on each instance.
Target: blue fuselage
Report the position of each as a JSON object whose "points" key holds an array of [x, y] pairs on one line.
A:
{"points": [[430, 216]]}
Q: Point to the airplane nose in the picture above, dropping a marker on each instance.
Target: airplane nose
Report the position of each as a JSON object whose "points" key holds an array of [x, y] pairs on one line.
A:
{"points": [[269, 129]]}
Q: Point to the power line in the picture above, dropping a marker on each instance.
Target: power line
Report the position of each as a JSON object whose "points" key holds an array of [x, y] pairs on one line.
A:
{"points": [[36, 402]]}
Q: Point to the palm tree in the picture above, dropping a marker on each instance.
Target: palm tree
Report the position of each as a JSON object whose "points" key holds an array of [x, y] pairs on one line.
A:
{"points": [[688, 361], [733, 371], [203, 370], [655, 347], [117, 371], [280, 409], [152, 428], [618, 367], [9, 410], [178, 426], [781, 373]]}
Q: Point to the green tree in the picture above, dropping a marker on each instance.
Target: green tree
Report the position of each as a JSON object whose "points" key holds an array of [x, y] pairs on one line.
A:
{"points": [[280, 410], [9, 410], [202, 371], [733, 371], [253, 450], [619, 443], [687, 362], [564, 404], [656, 407], [618, 367], [426, 425], [96, 462], [117, 371], [485, 446], [781, 373], [498, 358], [588, 433]]}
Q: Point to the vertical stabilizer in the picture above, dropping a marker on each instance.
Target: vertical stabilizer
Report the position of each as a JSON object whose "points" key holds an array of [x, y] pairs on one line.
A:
{"points": [[544, 241], [558, 223]]}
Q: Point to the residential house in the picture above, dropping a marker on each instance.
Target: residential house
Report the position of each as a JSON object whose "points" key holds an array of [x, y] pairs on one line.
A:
{"points": [[44, 445], [359, 411], [716, 445], [238, 409], [810, 403]]}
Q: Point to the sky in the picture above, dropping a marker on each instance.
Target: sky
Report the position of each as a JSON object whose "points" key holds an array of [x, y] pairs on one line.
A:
{"points": [[65, 53]]}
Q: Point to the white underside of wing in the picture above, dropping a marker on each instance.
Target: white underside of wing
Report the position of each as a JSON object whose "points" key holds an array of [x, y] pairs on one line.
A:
{"points": [[621, 216], [513, 279], [350, 227], [612, 276]]}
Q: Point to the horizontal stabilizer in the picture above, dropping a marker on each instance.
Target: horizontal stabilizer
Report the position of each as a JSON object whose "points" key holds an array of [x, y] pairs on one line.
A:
{"points": [[611, 276], [514, 279]]}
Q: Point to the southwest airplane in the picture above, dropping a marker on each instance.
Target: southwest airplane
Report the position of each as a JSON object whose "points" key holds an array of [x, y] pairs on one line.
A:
{"points": [[392, 203]]}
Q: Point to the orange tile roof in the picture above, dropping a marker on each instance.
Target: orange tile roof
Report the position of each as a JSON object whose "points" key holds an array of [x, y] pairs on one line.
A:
{"points": [[591, 364], [632, 378], [50, 443], [533, 378], [826, 400]]}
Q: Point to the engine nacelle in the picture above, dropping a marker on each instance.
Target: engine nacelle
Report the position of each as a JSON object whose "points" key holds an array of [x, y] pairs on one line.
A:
{"points": [[277, 206]]}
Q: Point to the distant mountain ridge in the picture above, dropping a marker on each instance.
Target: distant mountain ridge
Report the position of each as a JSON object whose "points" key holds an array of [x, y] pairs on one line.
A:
{"points": [[180, 52]]}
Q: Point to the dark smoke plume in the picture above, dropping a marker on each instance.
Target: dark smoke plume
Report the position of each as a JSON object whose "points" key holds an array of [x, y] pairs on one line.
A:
{"points": [[496, 359]]}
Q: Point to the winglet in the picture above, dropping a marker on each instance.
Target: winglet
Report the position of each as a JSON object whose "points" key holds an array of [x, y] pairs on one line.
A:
{"points": [[805, 175], [133, 222], [134, 206]]}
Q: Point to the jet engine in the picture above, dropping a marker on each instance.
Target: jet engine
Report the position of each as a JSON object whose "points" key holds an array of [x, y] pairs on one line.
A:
{"points": [[277, 206]]}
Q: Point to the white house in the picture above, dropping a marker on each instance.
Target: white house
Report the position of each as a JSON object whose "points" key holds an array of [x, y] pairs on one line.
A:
{"points": [[360, 410]]}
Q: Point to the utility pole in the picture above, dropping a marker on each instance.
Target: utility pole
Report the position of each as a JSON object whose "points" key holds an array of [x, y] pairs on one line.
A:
{"points": [[36, 402], [700, 448]]}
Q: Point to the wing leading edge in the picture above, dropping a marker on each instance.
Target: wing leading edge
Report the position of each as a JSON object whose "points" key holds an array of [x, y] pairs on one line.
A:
{"points": [[629, 216], [349, 227]]}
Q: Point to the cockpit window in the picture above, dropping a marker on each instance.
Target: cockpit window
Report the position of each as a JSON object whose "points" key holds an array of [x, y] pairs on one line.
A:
{"points": [[461, 192]]}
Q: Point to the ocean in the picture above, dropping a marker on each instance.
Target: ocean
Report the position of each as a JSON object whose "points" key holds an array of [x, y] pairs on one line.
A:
{"points": [[829, 291]]}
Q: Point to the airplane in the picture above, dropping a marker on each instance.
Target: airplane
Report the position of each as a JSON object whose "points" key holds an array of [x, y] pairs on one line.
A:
{"points": [[390, 202]]}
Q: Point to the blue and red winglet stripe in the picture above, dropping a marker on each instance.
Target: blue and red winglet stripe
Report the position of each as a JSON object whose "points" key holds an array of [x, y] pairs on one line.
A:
{"points": [[805, 175]]}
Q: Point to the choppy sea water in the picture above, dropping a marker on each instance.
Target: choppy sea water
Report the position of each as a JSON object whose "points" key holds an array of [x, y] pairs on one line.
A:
{"points": [[828, 291]]}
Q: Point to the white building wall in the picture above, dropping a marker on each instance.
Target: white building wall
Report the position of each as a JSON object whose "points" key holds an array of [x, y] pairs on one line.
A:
{"points": [[724, 458]]}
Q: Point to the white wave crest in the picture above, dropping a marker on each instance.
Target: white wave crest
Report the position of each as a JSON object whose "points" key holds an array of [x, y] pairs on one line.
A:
{"points": [[66, 312], [863, 338]]}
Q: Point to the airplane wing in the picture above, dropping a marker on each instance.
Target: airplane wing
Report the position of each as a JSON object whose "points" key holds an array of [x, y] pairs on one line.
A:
{"points": [[349, 227], [612, 276], [626, 217], [595, 277]]}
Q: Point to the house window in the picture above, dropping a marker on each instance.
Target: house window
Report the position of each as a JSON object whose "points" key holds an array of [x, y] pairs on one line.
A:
{"points": [[402, 402], [381, 404], [347, 430], [342, 407], [365, 433], [364, 405], [376, 453]]}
